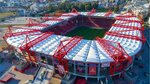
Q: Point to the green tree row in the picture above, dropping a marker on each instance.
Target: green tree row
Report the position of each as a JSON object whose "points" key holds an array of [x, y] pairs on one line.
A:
{"points": [[79, 6]]}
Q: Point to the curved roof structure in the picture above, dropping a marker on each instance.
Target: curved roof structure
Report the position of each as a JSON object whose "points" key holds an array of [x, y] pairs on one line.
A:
{"points": [[86, 50]]}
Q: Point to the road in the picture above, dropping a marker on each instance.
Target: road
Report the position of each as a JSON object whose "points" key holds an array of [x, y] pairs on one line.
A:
{"points": [[18, 20], [142, 79]]}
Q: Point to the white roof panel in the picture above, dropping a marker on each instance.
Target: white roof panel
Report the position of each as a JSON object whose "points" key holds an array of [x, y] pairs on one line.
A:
{"points": [[79, 52], [17, 41], [51, 22], [104, 57], [93, 55], [49, 45]]}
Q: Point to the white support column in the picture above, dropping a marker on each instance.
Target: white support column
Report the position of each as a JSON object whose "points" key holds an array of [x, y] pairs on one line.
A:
{"points": [[106, 80], [46, 61], [98, 72], [74, 67], [53, 64], [86, 71], [149, 19]]}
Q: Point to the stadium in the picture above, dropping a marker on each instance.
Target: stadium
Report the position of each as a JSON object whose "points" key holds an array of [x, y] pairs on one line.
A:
{"points": [[85, 44]]}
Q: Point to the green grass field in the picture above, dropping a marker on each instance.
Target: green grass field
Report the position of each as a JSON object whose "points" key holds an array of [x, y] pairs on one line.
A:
{"points": [[3, 15], [87, 32], [6, 26]]}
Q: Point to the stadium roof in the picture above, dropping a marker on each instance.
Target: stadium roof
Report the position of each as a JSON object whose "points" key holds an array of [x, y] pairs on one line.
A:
{"points": [[85, 50]]}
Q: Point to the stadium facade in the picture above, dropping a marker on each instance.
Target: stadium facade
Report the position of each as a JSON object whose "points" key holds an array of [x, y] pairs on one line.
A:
{"points": [[46, 43]]}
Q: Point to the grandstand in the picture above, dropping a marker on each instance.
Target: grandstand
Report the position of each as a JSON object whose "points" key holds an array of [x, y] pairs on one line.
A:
{"points": [[70, 45]]}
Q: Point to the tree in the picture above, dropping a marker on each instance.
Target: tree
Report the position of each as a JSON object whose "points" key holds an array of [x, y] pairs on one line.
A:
{"points": [[116, 9], [51, 8], [81, 7], [68, 7], [94, 5], [88, 7]]}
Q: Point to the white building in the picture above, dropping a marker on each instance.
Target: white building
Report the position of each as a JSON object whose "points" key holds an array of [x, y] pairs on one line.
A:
{"points": [[141, 7], [110, 3], [34, 7]]}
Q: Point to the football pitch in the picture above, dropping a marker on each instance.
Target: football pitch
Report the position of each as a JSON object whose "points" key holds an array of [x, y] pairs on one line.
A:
{"points": [[88, 33]]}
